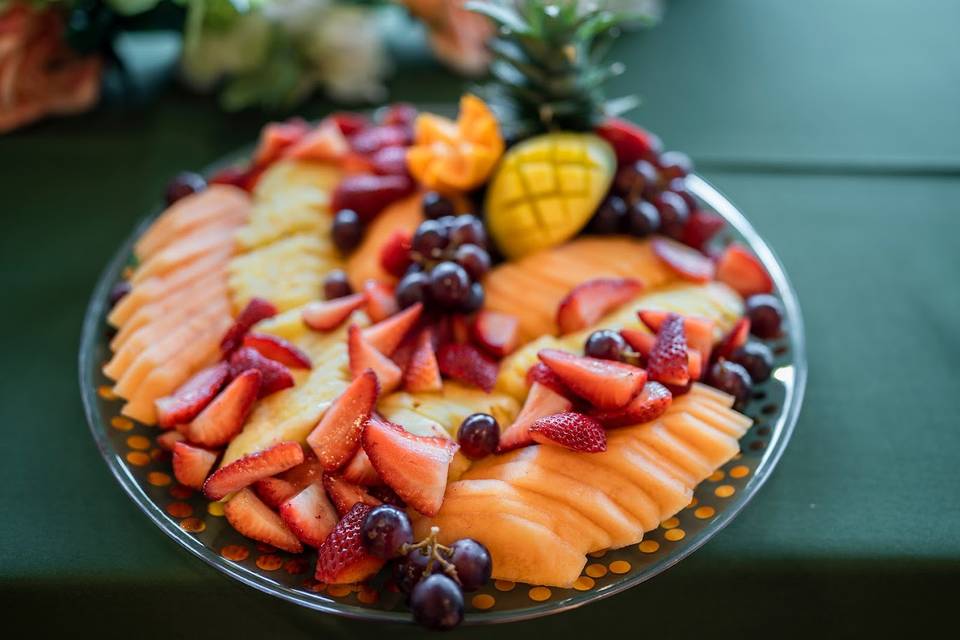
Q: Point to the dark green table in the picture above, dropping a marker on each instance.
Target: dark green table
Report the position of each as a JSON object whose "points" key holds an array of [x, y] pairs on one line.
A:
{"points": [[835, 126]]}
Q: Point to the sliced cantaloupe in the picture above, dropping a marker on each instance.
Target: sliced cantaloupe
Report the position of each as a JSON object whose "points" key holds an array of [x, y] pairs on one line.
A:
{"points": [[717, 447], [215, 204], [364, 262], [546, 559], [157, 288], [545, 277], [189, 248], [657, 436]]}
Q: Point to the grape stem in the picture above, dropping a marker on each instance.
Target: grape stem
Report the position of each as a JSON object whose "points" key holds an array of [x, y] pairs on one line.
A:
{"points": [[435, 550]]}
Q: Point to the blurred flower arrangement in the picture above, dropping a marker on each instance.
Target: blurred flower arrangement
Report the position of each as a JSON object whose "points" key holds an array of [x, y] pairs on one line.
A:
{"points": [[270, 54]]}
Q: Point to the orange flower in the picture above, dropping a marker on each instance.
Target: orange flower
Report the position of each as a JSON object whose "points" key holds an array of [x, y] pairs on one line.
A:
{"points": [[458, 36], [39, 74], [454, 157]]}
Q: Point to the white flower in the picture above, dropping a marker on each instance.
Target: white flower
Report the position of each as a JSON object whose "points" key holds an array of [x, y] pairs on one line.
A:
{"points": [[349, 54]]}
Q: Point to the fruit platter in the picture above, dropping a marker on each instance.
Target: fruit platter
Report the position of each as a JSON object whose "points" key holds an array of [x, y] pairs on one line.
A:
{"points": [[475, 364]]}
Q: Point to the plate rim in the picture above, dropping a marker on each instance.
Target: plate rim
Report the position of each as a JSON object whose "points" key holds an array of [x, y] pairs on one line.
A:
{"points": [[786, 424]]}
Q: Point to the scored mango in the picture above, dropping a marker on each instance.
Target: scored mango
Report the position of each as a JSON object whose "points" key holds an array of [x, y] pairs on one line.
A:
{"points": [[546, 189]]}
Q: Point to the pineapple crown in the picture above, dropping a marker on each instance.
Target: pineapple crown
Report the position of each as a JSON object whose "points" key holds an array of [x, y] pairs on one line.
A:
{"points": [[548, 69]]}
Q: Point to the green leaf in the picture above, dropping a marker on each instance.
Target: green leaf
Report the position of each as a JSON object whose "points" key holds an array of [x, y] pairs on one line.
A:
{"points": [[502, 14]]}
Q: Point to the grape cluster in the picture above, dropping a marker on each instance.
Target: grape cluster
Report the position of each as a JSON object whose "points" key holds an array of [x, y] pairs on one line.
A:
{"points": [[648, 196], [434, 576], [449, 254]]}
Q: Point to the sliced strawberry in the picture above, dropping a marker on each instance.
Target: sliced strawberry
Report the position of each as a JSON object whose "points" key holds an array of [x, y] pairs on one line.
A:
{"points": [[390, 161], [701, 228], [239, 177], [466, 363], [248, 515], [381, 303], [360, 471], [309, 515], [630, 142], [686, 262], [588, 302], [184, 404], [413, 466], [279, 349], [541, 373], [168, 439], [698, 331], [386, 495], [336, 437], [423, 372], [191, 465], [330, 314], [541, 401], [498, 333], [639, 340], [256, 310], [669, 361], [459, 328], [276, 377], [736, 338], [324, 143], [224, 417], [400, 113], [349, 123], [310, 470], [603, 383], [252, 467], [342, 558], [277, 137], [741, 270], [570, 430], [372, 139], [387, 334], [395, 253], [274, 491], [346, 494], [650, 404], [364, 356], [404, 351], [369, 194]]}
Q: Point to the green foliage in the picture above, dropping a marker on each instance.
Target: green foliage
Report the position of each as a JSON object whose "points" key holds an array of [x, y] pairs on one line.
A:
{"points": [[548, 69]]}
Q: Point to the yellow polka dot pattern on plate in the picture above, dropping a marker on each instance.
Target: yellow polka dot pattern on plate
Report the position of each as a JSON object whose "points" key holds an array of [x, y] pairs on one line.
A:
{"points": [[504, 585], [704, 512], [138, 458], [159, 478], [339, 590], [179, 509], [649, 546], [215, 509], [121, 424], [539, 594], [367, 595], [596, 570], [138, 442], [724, 491], [673, 535], [584, 583], [235, 552], [483, 601], [106, 392], [619, 566], [739, 471], [270, 562], [693, 502], [597, 554], [716, 476], [670, 523], [193, 525]]}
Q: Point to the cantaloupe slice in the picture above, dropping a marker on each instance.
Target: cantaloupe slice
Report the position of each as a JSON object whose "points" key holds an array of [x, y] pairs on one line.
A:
{"points": [[191, 247], [668, 445], [715, 446], [364, 262]]}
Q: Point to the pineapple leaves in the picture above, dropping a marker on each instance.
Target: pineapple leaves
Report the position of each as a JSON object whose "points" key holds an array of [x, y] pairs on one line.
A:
{"points": [[501, 13]]}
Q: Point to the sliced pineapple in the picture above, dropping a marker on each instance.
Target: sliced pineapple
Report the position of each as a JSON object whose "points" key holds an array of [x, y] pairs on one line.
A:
{"points": [[420, 413]]}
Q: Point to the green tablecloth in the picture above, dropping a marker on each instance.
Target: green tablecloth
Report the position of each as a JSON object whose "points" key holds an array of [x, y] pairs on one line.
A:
{"points": [[833, 125]]}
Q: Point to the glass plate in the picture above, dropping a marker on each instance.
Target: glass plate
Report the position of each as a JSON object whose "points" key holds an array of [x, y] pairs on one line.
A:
{"points": [[143, 470]]}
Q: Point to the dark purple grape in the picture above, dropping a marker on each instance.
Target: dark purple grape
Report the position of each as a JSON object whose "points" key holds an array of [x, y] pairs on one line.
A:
{"points": [[408, 571], [119, 291], [474, 259], [756, 358], [430, 238], [347, 230], [609, 217], [473, 564], [467, 229], [385, 530], [731, 378], [605, 344], [449, 284], [674, 164], [648, 180], [673, 213], [766, 315], [436, 206], [336, 285], [414, 287], [184, 184], [679, 187], [475, 298], [643, 219], [478, 435], [437, 602]]}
